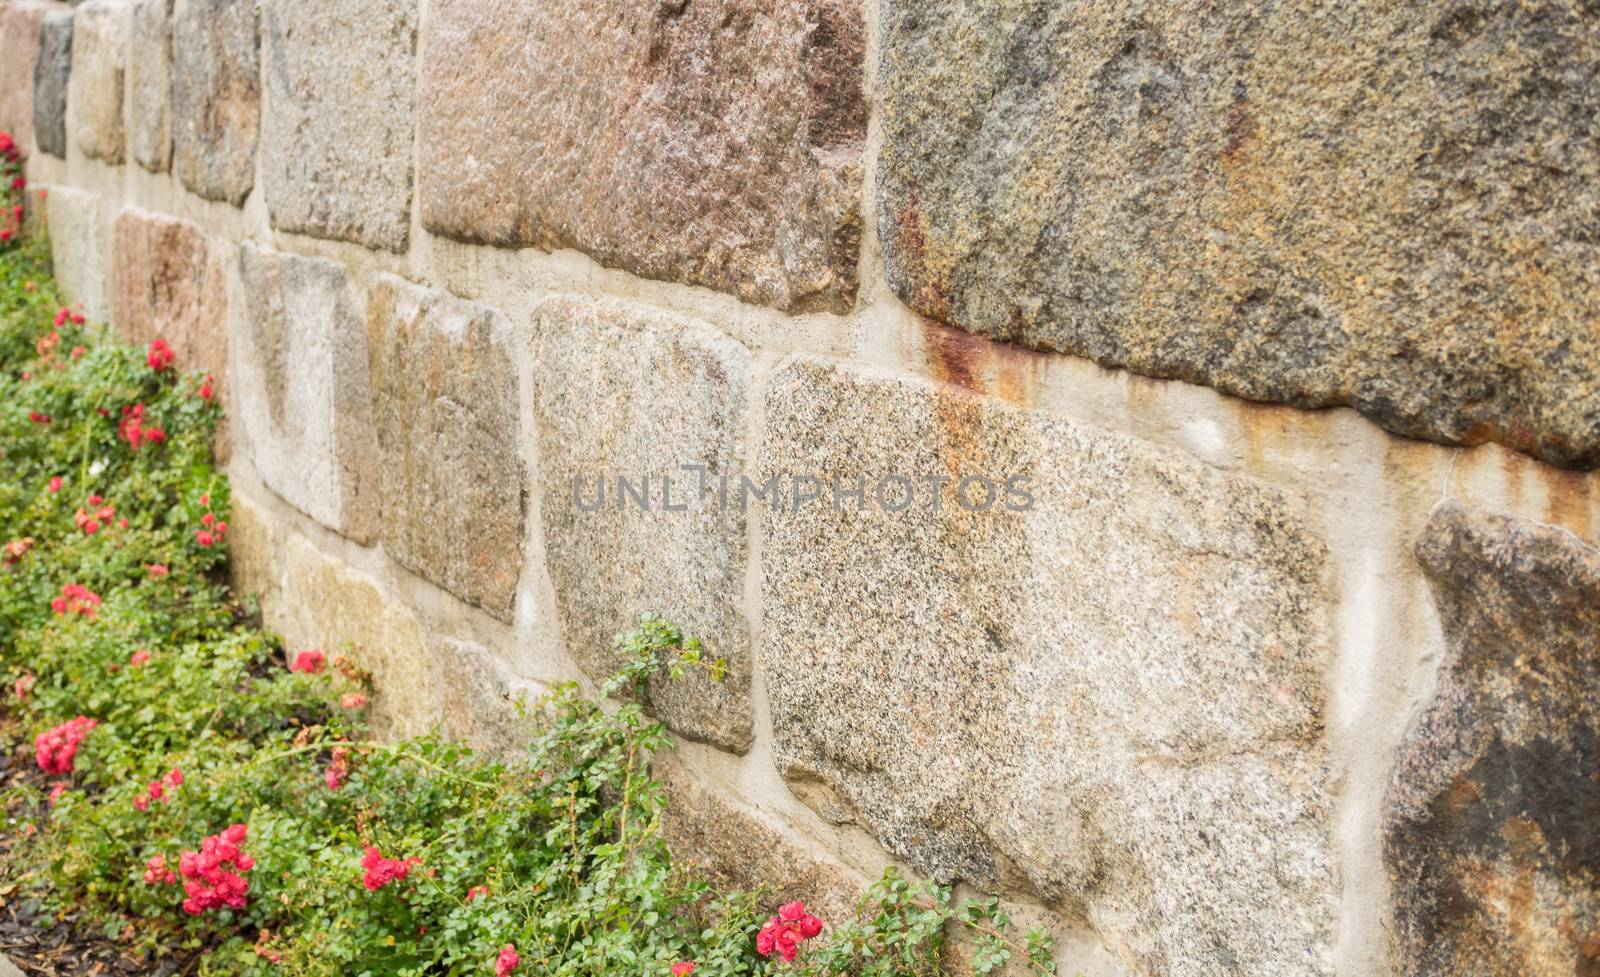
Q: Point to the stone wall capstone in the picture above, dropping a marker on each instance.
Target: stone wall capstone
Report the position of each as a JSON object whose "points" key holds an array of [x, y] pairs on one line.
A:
{"points": [[216, 96], [713, 144], [50, 76], [96, 89], [337, 126], [1389, 206], [150, 85]]}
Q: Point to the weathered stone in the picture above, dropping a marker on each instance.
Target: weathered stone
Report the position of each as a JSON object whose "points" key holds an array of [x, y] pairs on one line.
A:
{"points": [[337, 130], [736, 849], [95, 89], [444, 398], [19, 56], [300, 386], [479, 702], [626, 390], [254, 560], [150, 85], [1490, 818], [1162, 189], [216, 96], [79, 249], [329, 605], [50, 75], [714, 144], [167, 282], [1106, 688]]}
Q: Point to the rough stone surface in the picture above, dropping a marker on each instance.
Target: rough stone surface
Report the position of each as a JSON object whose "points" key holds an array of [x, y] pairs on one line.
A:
{"points": [[327, 604], [714, 144], [50, 76], [167, 281], [1161, 188], [19, 56], [1114, 699], [300, 386], [736, 849], [216, 96], [480, 703], [337, 130], [79, 249], [626, 390], [150, 85], [253, 541], [444, 398], [1490, 819], [95, 89]]}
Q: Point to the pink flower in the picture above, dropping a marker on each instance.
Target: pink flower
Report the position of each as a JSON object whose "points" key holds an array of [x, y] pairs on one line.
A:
{"points": [[214, 875], [156, 872], [139, 657], [157, 569], [683, 968], [56, 749], [338, 768], [55, 485], [23, 686], [507, 961], [477, 891], [56, 791], [204, 538], [379, 871], [353, 700], [310, 662], [783, 933], [141, 803], [161, 355]]}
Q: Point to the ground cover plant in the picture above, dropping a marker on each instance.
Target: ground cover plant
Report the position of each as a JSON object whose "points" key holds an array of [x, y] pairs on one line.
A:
{"points": [[193, 790]]}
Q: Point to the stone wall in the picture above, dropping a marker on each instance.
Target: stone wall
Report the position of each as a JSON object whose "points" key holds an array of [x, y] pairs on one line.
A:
{"points": [[1281, 661]]}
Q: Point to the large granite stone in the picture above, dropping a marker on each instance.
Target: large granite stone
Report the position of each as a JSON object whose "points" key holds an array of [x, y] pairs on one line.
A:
{"points": [[1389, 206], [150, 85], [737, 849], [50, 76], [445, 397], [167, 281], [329, 605], [337, 130], [480, 702], [1111, 697], [79, 249], [626, 390], [300, 387], [1490, 820], [714, 144], [19, 57], [95, 89], [216, 96]]}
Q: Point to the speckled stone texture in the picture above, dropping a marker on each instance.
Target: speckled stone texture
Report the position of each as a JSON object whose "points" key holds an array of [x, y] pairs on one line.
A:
{"points": [[738, 849], [80, 249], [452, 481], [95, 89], [1390, 206], [1113, 700], [50, 75], [299, 382], [337, 129], [167, 281], [716, 144], [480, 702], [216, 96], [626, 390], [150, 85], [1490, 821], [19, 55]]}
